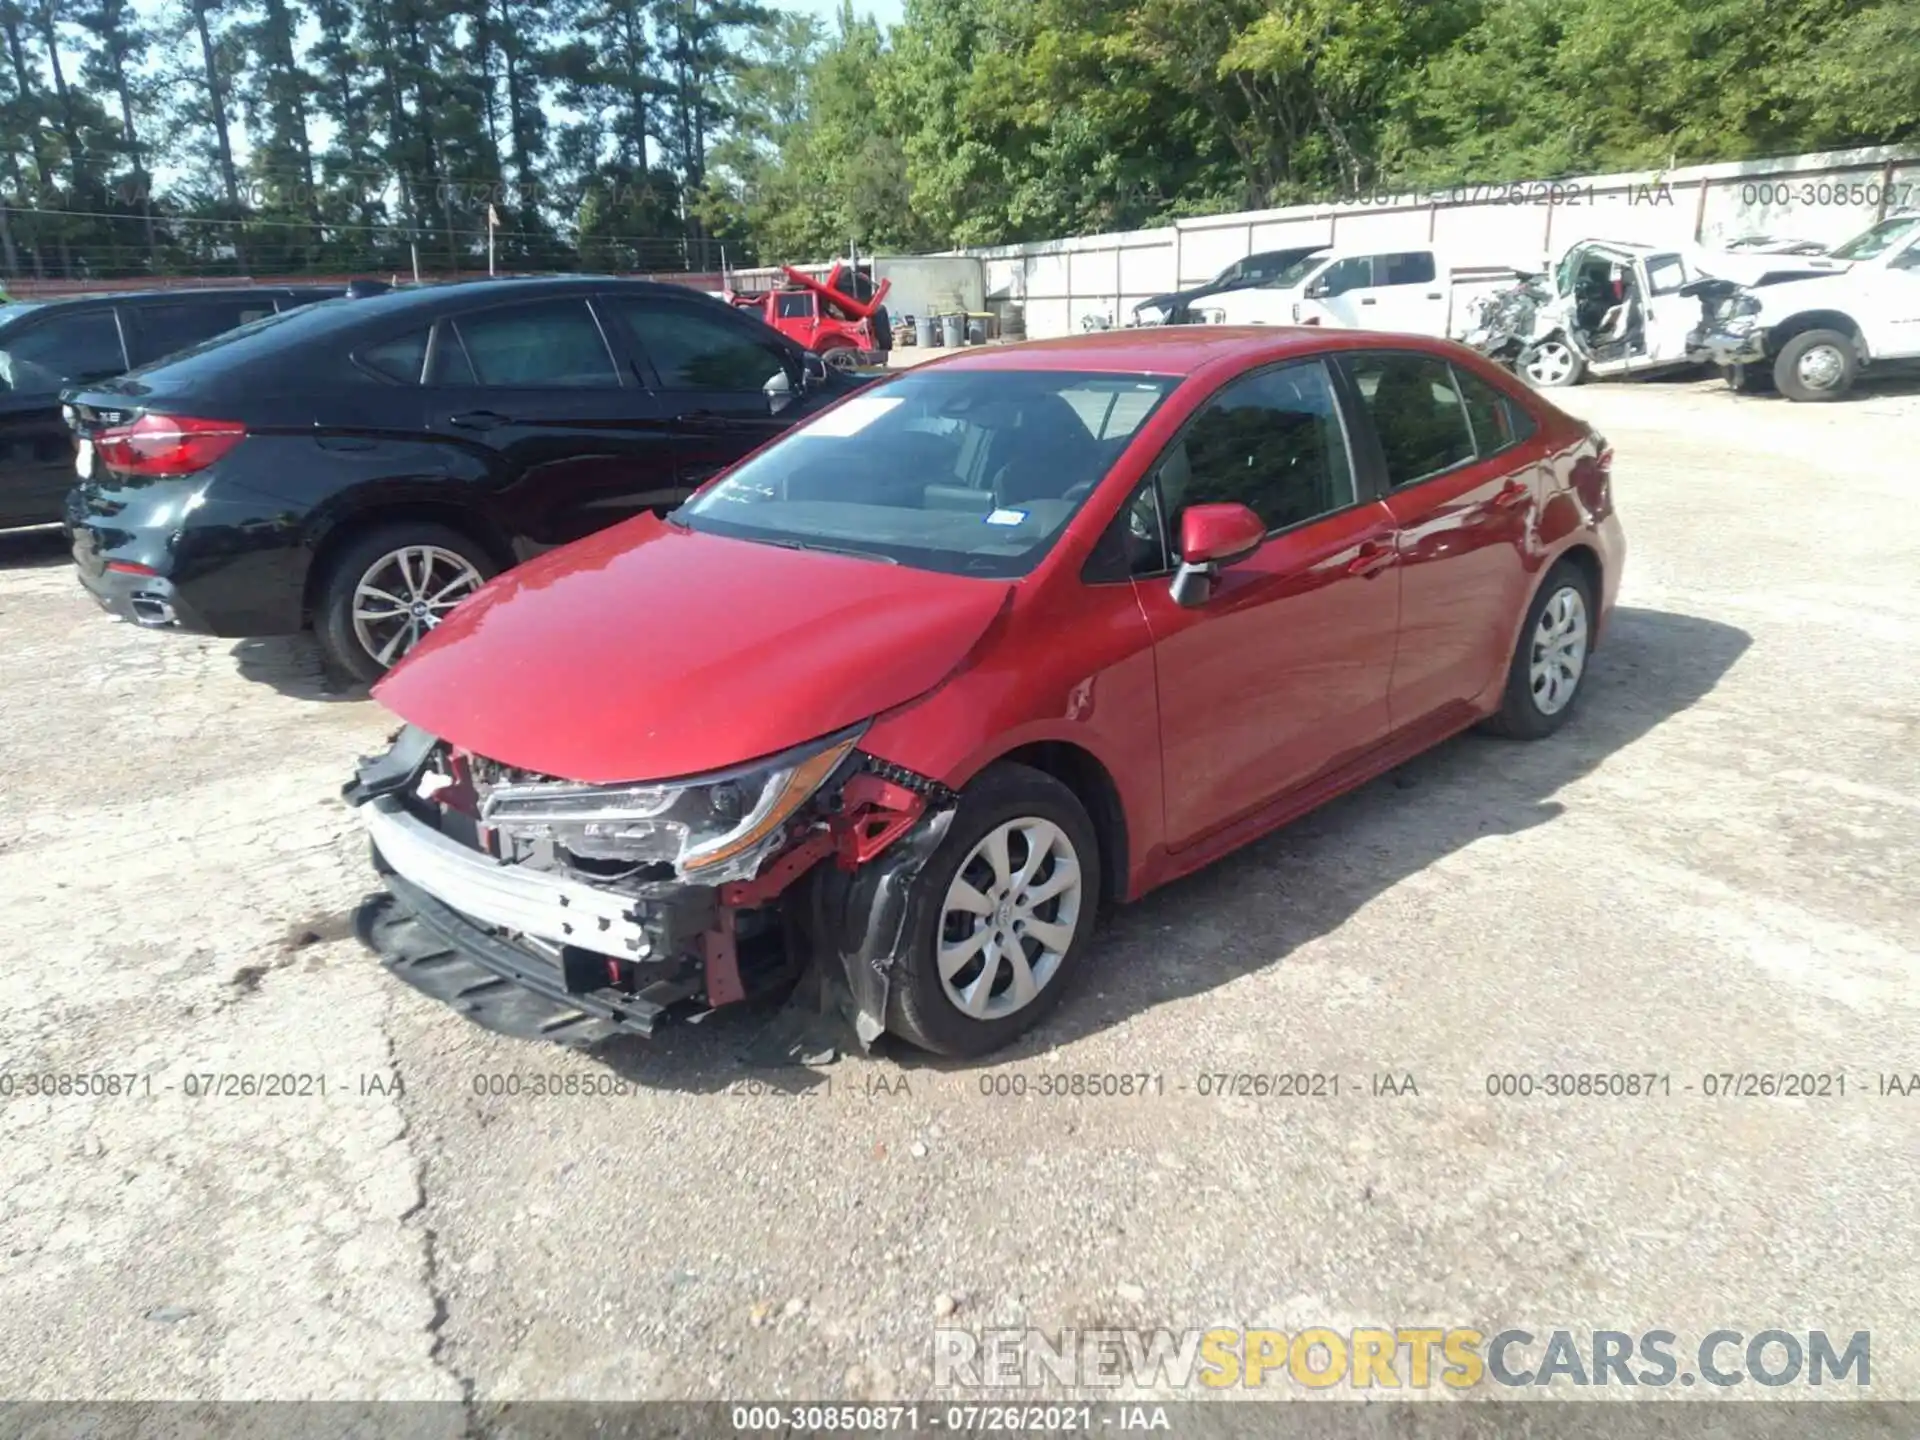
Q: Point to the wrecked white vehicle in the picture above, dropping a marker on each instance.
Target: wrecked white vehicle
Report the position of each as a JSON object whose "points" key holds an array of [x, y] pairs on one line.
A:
{"points": [[1614, 308], [1813, 334], [1503, 325], [1619, 308]]}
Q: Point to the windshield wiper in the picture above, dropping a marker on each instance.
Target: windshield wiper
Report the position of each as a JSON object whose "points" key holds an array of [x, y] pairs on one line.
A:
{"points": [[833, 550]]}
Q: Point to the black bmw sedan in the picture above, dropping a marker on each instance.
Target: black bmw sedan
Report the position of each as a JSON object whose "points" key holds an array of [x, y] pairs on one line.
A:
{"points": [[360, 466]]}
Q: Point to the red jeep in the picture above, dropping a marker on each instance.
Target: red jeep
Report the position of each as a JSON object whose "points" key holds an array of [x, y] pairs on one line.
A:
{"points": [[827, 318]]}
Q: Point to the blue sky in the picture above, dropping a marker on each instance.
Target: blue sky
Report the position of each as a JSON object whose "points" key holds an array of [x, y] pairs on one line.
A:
{"points": [[887, 12]]}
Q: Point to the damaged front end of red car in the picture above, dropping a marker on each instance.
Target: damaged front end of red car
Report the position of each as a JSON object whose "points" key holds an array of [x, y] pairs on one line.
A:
{"points": [[544, 908]]}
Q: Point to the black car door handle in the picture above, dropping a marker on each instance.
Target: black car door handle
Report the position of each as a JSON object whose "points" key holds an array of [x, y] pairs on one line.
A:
{"points": [[478, 419], [1368, 300]]}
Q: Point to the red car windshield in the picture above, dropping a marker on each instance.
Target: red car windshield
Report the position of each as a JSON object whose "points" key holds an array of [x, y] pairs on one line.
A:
{"points": [[970, 472]]}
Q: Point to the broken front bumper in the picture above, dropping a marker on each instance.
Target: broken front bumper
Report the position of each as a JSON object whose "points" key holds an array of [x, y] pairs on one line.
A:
{"points": [[1728, 344], [445, 924], [542, 953], [505, 987]]}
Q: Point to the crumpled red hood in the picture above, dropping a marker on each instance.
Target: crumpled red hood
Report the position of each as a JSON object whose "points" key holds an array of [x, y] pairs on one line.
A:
{"points": [[648, 652]]}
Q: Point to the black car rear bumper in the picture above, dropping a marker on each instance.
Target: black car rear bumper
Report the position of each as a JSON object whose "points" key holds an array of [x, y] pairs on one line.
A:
{"points": [[148, 600], [217, 571]]}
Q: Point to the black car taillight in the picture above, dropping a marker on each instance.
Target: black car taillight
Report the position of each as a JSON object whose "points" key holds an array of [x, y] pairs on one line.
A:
{"points": [[166, 445]]}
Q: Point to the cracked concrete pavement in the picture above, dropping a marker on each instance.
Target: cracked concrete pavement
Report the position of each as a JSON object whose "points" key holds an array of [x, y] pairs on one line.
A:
{"points": [[1711, 869]]}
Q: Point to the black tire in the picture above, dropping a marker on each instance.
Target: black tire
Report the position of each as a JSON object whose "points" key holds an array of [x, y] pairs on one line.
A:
{"points": [[333, 611], [920, 1010], [1786, 365], [1523, 715], [1540, 379], [1747, 379]]}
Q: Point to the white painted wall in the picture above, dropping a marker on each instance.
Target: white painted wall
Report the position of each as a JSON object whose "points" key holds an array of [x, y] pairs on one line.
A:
{"points": [[1824, 197]]}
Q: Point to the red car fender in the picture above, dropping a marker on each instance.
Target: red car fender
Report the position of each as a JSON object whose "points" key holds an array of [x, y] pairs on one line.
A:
{"points": [[1109, 712]]}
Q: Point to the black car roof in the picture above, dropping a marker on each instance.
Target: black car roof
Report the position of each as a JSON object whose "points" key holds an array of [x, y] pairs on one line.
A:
{"points": [[285, 338], [388, 312], [429, 300], [163, 296]]}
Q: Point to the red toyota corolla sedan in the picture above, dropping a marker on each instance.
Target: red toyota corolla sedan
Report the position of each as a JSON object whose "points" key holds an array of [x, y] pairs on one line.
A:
{"points": [[912, 692]]}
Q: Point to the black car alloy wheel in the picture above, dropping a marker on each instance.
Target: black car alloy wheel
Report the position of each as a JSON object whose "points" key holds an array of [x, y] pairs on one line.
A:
{"points": [[387, 590]]}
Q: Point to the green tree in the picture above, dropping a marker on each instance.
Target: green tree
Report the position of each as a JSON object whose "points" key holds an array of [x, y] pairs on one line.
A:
{"points": [[116, 40]]}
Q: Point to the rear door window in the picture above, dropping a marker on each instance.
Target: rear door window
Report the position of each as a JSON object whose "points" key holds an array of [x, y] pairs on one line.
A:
{"points": [[546, 344], [1498, 421], [62, 349], [1416, 411], [1413, 267]]}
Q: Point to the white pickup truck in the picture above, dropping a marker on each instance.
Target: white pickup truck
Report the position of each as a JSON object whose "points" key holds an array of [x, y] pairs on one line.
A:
{"points": [[1813, 335], [1415, 292]]}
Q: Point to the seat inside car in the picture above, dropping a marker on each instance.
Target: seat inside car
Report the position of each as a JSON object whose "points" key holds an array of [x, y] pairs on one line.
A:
{"points": [[1041, 450]]}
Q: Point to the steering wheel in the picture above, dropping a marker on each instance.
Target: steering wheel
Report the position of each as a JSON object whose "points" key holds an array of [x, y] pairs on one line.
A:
{"points": [[1076, 493]]}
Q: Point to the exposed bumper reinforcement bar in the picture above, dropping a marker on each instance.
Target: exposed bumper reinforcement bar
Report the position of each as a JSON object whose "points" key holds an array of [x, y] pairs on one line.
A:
{"points": [[547, 906]]}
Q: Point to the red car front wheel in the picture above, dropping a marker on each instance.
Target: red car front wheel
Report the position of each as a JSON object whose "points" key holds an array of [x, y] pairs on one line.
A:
{"points": [[1000, 915]]}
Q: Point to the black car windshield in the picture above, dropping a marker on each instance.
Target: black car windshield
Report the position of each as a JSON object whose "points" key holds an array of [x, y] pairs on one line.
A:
{"points": [[969, 472]]}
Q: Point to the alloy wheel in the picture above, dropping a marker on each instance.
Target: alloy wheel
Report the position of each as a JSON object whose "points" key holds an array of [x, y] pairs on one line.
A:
{"points": [[406, 593], [1549, 363], [1009, 918], [1559, 653]]}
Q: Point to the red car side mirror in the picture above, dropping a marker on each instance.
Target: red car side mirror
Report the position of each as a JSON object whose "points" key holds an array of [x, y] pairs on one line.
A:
{"points": [[1212, 536]]}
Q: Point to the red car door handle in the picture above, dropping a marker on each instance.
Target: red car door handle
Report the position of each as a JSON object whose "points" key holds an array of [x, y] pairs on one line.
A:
{"points": [[1371, 559], [1513, 494]]}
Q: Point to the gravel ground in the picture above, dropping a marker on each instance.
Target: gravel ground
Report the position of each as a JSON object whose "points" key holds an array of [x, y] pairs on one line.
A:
{"points": [[1711, 869]]}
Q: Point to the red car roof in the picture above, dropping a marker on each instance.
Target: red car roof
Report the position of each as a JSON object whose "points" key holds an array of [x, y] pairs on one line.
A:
{"points": [[1171, 349]]}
